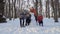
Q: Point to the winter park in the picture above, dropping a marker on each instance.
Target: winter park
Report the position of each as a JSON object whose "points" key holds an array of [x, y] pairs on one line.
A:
{"points": [[29, 16]]}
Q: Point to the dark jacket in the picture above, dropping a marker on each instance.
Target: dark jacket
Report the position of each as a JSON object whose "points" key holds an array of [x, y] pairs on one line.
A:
{"points": [[28, 16], [22, 15]]}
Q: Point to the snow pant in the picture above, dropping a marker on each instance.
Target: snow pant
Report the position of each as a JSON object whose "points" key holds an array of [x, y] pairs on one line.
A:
{"points": [[21, 23], [28, 21], [41, 22], [36, 18]]}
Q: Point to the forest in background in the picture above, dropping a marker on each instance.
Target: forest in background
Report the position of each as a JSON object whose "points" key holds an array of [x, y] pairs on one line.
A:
{"points": [[12, 8]]}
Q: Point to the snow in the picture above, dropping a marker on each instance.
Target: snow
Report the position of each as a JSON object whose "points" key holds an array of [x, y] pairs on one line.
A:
{"points": [[13, 27]]}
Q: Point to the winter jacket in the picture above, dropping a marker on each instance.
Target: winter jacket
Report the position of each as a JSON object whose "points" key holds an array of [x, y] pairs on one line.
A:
{"points": [[33, 11], [28, 16], [39, 18], [23, 14]]}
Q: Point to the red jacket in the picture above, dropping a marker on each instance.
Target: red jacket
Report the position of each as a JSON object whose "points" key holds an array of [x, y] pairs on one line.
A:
{"points": [[39, 18], [33, 11]]}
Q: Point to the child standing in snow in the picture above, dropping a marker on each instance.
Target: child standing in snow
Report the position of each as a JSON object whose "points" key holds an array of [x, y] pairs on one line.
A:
{"points": [[40, 19], [33, 10], [22, 15], [28, 19]]}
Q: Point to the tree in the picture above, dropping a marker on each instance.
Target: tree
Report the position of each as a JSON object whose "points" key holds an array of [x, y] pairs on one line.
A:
{"points": [[36, 5], [2, 12], [19, 3], [9, 10], [40, 7], [47, 9], [15, 9], [52, 5], [55, 10], [59, 8], [12, 8]]}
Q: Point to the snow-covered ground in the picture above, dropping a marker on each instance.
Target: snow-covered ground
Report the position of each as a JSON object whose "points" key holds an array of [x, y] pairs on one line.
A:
{"points": [[13, 27]]}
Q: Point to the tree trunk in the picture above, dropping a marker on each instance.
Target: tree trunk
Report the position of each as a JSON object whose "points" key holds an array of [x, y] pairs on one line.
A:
{"points": [[40, 7], [12, 8], [36, 6], [6, 9], [46, 10], [55, 11], [15, 16], [2, 12], [19, 3], [52, 4], [9, 10], [59, 8]]}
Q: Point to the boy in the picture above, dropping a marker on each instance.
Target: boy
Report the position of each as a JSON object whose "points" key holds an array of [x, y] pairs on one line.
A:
{"points": [[28, 19], [40, 19]]}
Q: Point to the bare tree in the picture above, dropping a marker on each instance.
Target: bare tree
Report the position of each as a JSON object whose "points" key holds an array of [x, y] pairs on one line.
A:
{"points": [[12, 8], [19, 3], [59, 8], [36, 5], [47, 9], [2, 11], [55, 11], [40, 6], [15, 9], [5, 8], [52, 4], [9, 10]]}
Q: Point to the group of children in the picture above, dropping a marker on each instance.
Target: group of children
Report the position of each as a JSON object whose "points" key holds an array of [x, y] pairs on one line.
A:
{"points": [[27, 16], [39, 17]]}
